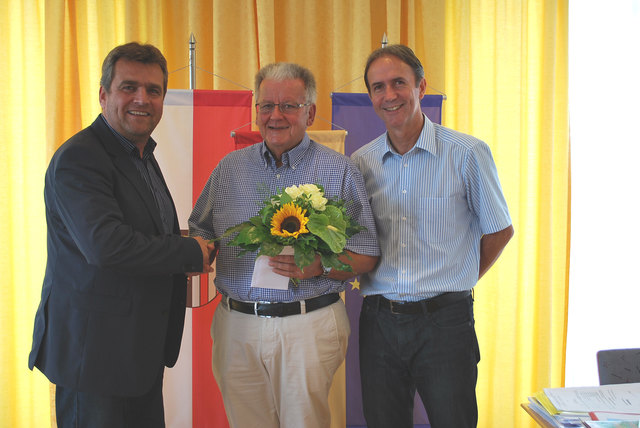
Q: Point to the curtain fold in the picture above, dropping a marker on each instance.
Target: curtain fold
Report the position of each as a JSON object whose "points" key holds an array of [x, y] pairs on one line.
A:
{"points": [[24, 398], [501, 63], [508, 67]]}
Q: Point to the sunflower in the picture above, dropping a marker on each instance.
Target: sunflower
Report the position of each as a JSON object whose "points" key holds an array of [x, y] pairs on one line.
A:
{"points": [[289, 220]]}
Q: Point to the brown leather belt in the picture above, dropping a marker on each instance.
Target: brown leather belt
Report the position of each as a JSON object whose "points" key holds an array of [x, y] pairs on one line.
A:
{"points": [[282, 309], [421, 306]]}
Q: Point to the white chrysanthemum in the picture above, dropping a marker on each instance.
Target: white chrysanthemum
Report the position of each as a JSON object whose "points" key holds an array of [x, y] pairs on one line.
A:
{"points": [[310, 189], [318, 202], [293, 191]]}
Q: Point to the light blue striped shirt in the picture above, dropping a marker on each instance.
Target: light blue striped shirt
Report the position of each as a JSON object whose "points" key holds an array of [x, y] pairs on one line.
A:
{"points": [[232, 196], [431, 206]]}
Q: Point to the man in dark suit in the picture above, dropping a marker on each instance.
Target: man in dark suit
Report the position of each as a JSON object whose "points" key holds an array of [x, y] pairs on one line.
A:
{"points": [[114, 292]]}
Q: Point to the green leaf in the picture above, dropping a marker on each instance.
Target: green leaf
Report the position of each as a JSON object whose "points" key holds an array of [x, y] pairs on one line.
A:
{"points": [[303, 256], [256, 221], [265, 214], [321, 226], [285, 199], [353, 228], [332, 261], [235, 229], [259, 234], [270, 249], [336, 217]]}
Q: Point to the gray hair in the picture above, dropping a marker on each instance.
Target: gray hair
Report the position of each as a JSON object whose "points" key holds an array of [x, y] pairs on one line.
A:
{"points": [[403, 53], [280, 71], [146, 54]]}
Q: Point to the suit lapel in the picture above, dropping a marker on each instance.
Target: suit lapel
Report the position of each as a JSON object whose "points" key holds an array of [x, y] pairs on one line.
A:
{"points": [[121, 160]]}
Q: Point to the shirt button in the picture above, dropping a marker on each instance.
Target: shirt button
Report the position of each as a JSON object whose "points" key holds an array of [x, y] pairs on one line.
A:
{"points": [[403, 245], [404, 191], [406, 165], [277, 175], [404, 219]]}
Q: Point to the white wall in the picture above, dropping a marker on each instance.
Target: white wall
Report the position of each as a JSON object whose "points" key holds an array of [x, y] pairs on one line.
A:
{"points": [[604, 94]]}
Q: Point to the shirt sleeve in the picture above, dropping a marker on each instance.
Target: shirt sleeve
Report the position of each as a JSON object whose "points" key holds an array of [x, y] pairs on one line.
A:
{"points": [[364, 242], [484, 193], [201, 218]]}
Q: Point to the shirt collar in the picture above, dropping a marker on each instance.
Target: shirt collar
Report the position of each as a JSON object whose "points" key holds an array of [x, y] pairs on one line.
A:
{"points": [[426, 141], [290, 158], [128, 146]]}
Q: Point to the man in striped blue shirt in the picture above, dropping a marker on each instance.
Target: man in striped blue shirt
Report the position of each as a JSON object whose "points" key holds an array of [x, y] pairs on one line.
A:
{"points": [[275, 351], [442, 222]]}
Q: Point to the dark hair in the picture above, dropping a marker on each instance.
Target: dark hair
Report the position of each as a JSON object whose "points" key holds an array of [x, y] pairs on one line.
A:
{"points": [[146, 54], [403, 53], [285, 71]]}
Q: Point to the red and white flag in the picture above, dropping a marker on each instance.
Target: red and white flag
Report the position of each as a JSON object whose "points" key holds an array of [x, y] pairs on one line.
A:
{"points": [[193, 135]]}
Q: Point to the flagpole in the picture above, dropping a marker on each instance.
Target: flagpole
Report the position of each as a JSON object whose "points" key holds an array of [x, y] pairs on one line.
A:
{"points": [[192, 62]]}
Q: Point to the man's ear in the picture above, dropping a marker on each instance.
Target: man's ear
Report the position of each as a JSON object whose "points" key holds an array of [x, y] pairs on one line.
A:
{"points": [[102, 96], [423, 87], [312, 114]]}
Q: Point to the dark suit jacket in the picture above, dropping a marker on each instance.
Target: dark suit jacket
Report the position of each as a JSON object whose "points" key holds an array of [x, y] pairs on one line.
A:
{"points": [[114, 292]]}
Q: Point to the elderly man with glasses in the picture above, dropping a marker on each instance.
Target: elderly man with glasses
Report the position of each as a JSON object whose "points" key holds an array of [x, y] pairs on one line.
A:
{"points": [[275, 351]]}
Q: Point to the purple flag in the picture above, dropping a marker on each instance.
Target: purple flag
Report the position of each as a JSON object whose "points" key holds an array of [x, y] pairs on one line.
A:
{"points": [[355, 113]]}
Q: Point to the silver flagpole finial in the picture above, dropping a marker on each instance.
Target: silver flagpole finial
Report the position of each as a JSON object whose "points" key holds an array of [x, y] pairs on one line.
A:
{"points": [[192, 62], [385, 41]]}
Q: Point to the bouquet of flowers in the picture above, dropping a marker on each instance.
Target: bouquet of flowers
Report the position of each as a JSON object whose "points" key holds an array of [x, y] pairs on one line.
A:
{"points": [[300, 217]]}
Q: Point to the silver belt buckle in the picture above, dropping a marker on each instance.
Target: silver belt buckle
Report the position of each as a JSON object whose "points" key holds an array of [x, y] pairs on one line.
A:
{"points": [[255, 309], [395, 302]]}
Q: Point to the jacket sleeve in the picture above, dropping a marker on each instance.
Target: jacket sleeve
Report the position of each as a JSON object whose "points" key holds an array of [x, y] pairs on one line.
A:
{"points": [[105, 214]]}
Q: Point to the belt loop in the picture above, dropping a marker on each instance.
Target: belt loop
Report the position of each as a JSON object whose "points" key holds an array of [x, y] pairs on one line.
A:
{"points": [[255, 308], [303, 307], [424, 305], [376, 301]]}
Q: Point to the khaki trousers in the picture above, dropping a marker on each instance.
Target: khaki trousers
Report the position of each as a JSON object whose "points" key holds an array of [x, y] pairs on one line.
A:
{"points": [[276, 372]]}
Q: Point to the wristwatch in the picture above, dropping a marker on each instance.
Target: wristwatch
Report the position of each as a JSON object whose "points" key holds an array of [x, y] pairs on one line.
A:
{"points": [[326, 270]]}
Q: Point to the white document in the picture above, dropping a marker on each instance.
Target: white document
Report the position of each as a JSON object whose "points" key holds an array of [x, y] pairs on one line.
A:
{"points": [[612, 424], [264, 277], [611, 416], [622, 398]]}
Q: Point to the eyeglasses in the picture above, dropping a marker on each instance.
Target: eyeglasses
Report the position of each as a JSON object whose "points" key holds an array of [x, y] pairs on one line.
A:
{"points": [[285, 108]]}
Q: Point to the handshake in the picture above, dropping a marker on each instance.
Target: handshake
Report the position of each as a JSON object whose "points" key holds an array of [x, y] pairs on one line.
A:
{"points": [[209, 251]]}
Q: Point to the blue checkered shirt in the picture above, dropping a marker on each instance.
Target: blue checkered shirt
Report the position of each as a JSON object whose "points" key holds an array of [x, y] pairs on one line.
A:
{"points": [[232, 196], [432, 205]]}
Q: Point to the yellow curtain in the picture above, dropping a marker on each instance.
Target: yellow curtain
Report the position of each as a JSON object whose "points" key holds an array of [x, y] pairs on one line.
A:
{"points": [[506, 68], [502, 64], [24, 399]]}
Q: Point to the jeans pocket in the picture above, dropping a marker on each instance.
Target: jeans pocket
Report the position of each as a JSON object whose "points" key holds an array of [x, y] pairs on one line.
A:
{"points": [[455, 315]]}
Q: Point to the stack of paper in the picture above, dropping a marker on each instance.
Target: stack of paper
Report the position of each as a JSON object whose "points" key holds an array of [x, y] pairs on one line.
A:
{"points": [[541, 405], [618, 424], [608, 405]]}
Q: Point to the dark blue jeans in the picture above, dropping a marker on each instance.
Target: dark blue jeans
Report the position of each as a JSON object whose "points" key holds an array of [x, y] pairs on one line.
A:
{"points": [[434, 353], [75, 409]]}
